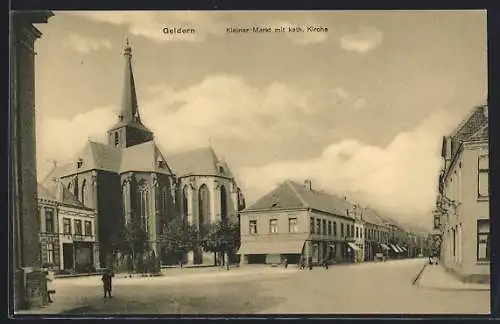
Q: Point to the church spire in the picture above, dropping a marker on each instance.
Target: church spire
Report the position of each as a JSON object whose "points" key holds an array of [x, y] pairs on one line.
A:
{"points": [[129, 112]]}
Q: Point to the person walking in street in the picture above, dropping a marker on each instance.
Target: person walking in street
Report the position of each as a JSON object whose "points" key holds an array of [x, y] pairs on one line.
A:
{"points": [[107, 281], [310, 263]]}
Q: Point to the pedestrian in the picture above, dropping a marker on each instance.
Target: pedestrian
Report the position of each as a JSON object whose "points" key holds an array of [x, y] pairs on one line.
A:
{"points": [[107, 282], [50, 281], [310, 263], [325, 264], [285, 263]]}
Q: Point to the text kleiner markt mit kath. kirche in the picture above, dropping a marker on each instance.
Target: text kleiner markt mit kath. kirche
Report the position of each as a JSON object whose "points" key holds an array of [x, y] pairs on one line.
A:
{"points": [[281, 29]]}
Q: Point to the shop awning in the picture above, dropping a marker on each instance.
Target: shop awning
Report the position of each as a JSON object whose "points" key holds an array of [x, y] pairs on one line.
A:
{"points": [[404, 249], [353, 246], [394, 248], [399, 248], [277, 247], [384, 246]]}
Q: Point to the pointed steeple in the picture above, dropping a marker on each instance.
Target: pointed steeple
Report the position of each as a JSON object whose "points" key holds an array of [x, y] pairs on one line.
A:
{"points": [[129, 130], [129, 111]]}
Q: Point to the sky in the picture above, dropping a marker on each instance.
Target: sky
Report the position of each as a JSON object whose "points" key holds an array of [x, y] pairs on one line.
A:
{"points": [[359, 108]]}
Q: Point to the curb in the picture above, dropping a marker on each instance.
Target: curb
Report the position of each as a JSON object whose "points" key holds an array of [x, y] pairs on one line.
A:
{"points": [[419, 274]]}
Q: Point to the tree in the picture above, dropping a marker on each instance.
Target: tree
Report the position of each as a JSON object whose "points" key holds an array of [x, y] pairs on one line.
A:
{"points": [[131, 240], [178, 237], [221, 237]]}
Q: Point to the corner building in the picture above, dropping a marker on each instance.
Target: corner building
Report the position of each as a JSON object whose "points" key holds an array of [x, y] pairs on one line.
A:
{"points": [[130, 177]]}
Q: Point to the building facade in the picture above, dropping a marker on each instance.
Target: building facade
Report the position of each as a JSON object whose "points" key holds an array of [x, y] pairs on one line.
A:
{"points": [[67, 232], [297, 222], [129, 180], [463, 200], [376, 232]]}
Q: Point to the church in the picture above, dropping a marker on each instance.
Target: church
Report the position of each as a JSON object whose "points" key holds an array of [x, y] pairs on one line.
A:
{"points": [[130, 177]]}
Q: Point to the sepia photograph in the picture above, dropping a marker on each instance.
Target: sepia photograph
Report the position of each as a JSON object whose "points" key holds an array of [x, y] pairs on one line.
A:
{"points": [[249, 163]]}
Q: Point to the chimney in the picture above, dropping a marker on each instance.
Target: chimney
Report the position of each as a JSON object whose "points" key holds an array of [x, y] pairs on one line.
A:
{"points": [[308, 185]]}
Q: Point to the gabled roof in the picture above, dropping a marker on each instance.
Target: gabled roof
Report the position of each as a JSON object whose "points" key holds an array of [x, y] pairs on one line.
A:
{"points": [[51, 194], [291, 195], [201, 161], [143, 157], [45, 193], [480, 135]]}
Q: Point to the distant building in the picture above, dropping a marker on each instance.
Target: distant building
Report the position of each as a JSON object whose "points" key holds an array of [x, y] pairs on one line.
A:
{"points": [[67, 232], [463, 201], [359, 239], [296, 221], [376, 235], [130, 180]]}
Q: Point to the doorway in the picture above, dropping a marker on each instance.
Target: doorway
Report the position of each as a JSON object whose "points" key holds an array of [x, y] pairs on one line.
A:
{"points": [[68, 256]]}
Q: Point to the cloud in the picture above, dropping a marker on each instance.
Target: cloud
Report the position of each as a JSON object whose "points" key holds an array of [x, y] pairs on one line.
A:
{"points": [[151, 24], [85, 44], [399, 178], [359, 103], [365, 40]]}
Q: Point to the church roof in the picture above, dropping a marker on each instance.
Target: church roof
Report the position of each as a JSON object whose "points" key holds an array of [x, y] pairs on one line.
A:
{"points": [[201, 161], [143, 157], [372, 217], [291, 195], [45, 193], [480, 135]]}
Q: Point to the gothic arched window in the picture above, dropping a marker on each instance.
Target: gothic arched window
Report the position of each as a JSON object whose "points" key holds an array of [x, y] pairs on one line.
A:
{"points": [[185, 206], [70, 186], [223, 204], [164, 200], [117, 139], [203, 205], [75, 188], [144, 206], [126, 201], [85, 193]]}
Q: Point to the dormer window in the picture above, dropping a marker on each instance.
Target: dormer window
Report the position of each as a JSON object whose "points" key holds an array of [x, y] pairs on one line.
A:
{"points": [[161, 164], [79, 163], [221, 169]]}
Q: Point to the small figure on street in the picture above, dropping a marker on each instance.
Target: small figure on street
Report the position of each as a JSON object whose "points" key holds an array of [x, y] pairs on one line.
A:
{"points": [[310, 263], [285, 263], [107, 281], [50, 289], [325, 264]]}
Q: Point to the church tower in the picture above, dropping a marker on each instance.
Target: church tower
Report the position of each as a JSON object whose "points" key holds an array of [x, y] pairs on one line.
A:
{"points": [[129, 130]]}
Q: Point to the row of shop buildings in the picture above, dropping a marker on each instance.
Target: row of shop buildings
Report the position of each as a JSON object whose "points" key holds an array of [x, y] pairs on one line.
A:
{"points": [[461, 218], [297, 222]]}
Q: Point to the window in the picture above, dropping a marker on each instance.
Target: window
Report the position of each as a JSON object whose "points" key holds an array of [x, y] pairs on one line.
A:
{"points": [[204, 205], [164, 200], [352, 230], [341, 229], [185, 195], [483, 240], [324, 226], [67, 226], [273, 225], [357, 232], [49, 220], [253, 226], [117, 139], [79, 163], [126, 201], [365, 232], [85, 193], [311, 225], [483, 184], [78, 227], [330, 228], [318, 226], [143, 200], [88, 228], [292, 225], [334, 228], [223, 204], [49, 253]]}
